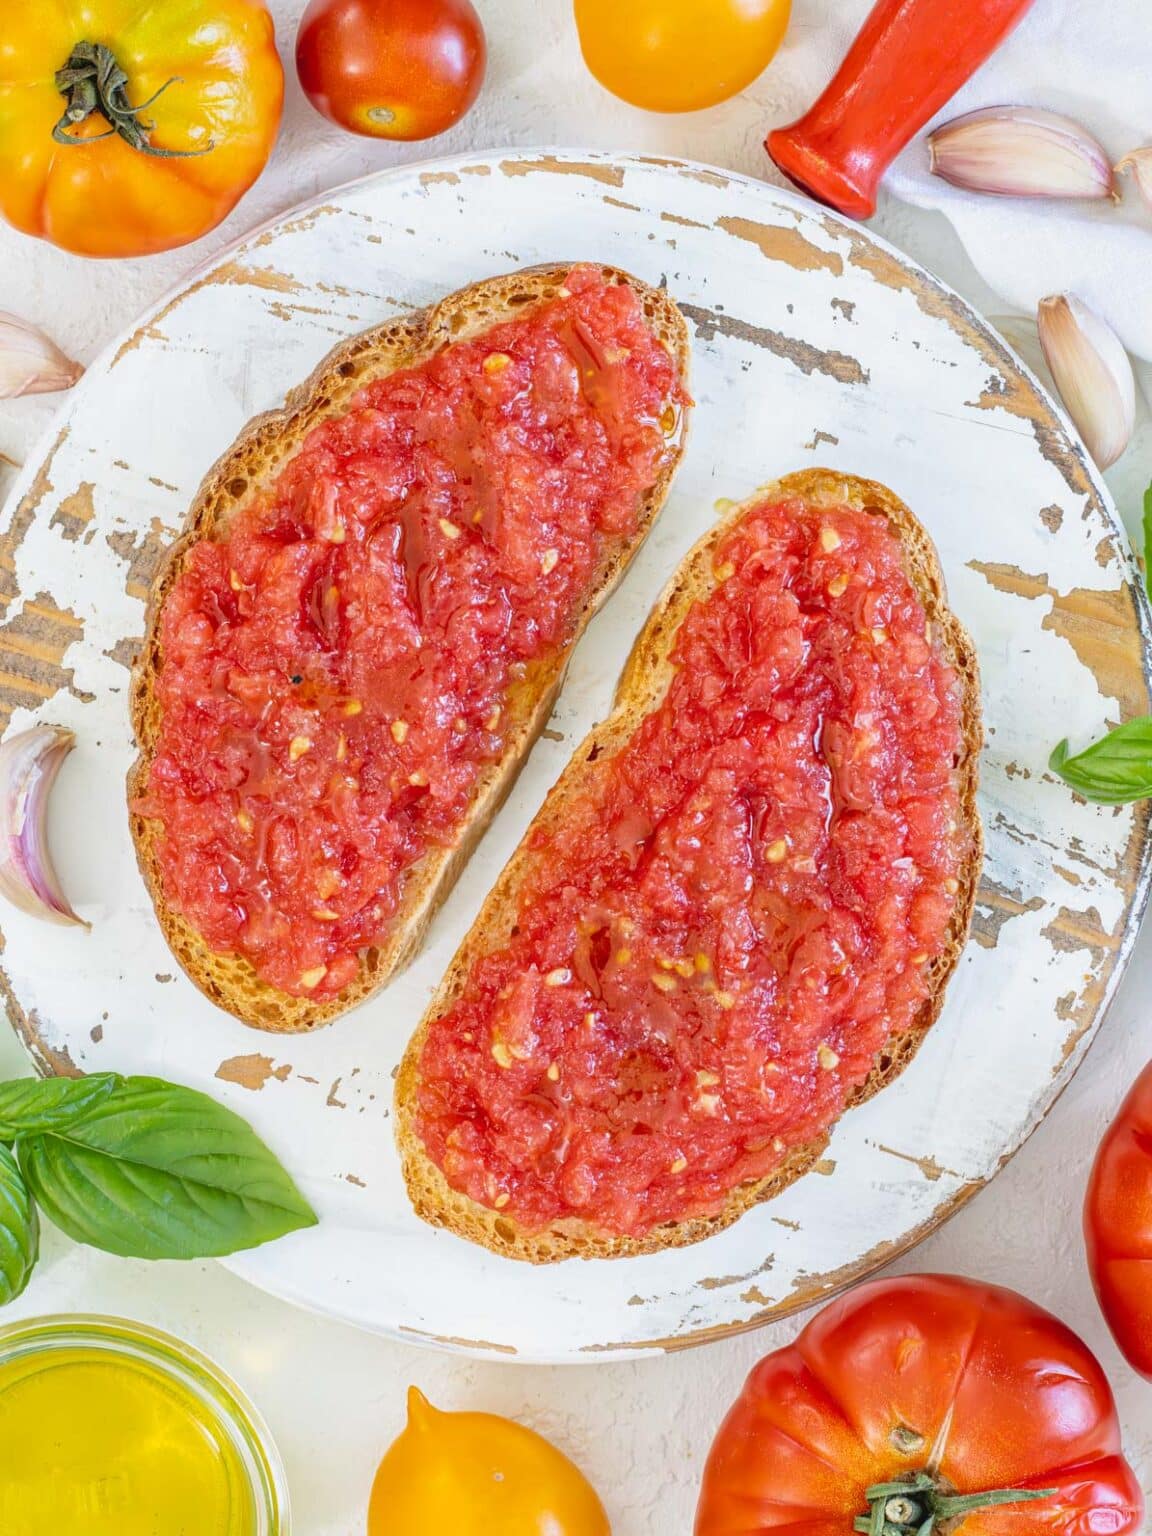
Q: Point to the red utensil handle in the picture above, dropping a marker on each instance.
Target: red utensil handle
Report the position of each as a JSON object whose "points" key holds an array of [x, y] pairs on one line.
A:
{"points": [[910, 58]]}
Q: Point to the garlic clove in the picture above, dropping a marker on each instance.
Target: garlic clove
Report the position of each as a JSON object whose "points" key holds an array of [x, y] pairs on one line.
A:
{"points": [[1019, 331], [1092, 372], [30, 362], [1021, 152], [29, 763], [1139, 163]]}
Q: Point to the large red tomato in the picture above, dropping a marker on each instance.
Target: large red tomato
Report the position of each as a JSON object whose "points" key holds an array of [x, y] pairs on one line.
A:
{"points": [[1118, 1225], [391, 69], [925, 1398]]}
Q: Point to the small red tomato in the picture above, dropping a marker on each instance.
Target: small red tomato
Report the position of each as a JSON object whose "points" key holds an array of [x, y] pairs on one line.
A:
{"points": [[391, 69], [1118, 1225]]}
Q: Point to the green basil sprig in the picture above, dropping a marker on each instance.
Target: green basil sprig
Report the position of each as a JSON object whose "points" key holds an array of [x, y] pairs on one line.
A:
{"points": [[138, 1167], [19, 1230], [28, 1104], [1114, 770], [155, 1171]]}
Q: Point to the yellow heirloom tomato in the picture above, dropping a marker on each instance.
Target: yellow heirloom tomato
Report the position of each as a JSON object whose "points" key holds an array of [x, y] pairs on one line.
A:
{"points": [[476, 1474], [128, 128]]}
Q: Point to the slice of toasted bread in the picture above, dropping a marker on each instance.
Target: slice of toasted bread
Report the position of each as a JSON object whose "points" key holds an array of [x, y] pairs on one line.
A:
{"points": [[642, 686], [252, 465]]}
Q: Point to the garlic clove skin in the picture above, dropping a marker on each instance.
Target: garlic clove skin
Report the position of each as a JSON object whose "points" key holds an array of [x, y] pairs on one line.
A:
{"points": [[30, 362], [1019, 331], [29, 763], [1021, 152], [1092, 373], [1138, 163]]}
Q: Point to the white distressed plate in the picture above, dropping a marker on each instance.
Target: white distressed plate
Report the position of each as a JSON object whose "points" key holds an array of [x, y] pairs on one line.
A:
{"points": [[814, 344]]}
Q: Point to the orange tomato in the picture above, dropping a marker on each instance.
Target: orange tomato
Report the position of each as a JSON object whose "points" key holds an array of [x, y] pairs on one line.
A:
{"points": [[678, 55], [391, 69], [129, 128], [476, 1474], [924, 1402]]}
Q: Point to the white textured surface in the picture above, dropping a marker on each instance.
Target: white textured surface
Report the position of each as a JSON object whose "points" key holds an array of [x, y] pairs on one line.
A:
{"points": [[335, 1397]]}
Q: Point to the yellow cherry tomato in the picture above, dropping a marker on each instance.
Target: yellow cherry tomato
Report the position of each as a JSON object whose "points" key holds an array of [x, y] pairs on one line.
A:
{"points": [[476, 1474], [678, 55]]}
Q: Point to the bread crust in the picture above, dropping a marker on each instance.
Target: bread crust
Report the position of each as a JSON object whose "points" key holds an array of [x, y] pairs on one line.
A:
{"points": [[643, 683], [252, 464]]}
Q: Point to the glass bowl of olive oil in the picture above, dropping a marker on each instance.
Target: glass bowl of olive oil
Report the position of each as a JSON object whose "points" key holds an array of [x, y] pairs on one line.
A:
{"points": [[109, 1428]]}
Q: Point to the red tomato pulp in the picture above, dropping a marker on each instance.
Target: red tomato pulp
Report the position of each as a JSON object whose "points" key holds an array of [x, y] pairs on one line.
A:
{"points": [[735, 915], [338, 670]]}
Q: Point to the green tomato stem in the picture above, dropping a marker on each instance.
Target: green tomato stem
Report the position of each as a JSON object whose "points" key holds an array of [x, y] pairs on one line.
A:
{"points": [[92, 82], [915, 1505]]}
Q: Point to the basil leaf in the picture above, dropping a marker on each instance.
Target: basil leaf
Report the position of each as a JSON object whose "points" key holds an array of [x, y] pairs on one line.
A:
{"points": [[157, 1171], [19, 1230], [30, 1104], [1148, 539], [1114, 770]]}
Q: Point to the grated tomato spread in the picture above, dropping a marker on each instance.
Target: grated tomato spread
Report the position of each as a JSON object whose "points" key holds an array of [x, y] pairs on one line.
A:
{"points": [[338, 670], [734, 915]]}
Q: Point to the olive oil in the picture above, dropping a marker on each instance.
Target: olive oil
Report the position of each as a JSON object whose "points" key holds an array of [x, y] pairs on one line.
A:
{"points": [[102, 1440]]}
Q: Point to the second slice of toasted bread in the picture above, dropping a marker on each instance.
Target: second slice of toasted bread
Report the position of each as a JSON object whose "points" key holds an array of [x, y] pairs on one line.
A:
{"points": [[252, 466], [644, 682]]}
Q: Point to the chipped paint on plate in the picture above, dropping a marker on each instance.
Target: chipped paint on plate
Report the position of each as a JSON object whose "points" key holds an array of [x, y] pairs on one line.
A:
{"points": [[814, 344]]}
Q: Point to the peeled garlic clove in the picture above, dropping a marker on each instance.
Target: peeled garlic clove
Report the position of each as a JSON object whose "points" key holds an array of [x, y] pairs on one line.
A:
{"points": [[1092, 373], [30, 362], [1139, 162], [1021, 152], [29, 763]]}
